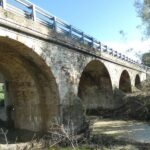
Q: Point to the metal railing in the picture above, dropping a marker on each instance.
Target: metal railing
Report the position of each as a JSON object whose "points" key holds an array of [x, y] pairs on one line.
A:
{"points": [[36, 13]]}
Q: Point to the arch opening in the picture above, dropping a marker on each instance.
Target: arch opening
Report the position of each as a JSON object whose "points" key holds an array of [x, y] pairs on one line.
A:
{"points": [[31, 93], [3, 98], [137, 82], [125, 82], [95, 88]]}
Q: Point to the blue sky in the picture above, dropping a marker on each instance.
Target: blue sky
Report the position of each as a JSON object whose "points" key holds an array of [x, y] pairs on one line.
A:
{"points": [[102, 19]]}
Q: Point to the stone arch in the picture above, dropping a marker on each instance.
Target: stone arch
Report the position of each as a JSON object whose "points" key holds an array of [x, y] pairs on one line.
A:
{"points": [[95, 87], [137, 81], [125, 82], [33, 92]]}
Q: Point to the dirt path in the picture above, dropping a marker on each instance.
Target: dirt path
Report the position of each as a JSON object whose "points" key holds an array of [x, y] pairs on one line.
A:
{"points": [[131, 131]]}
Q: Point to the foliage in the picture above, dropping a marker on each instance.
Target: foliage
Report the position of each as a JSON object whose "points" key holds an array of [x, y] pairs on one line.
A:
{"points": [[146, 59], [143, 10], [1, 92]]}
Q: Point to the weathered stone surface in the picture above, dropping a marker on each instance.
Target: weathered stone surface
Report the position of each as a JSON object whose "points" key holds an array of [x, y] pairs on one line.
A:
{"points": [[73, 113], [44, 69]]}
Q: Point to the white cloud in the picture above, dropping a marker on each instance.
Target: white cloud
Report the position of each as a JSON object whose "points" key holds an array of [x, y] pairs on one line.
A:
{"points": [[133, 49]]}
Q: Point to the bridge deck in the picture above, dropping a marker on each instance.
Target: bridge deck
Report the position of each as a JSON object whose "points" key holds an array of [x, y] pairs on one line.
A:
{"points": [[35, 13]]}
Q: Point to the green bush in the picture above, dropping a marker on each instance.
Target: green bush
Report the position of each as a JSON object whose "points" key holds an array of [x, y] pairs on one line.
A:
{"points": [[146, 59]]}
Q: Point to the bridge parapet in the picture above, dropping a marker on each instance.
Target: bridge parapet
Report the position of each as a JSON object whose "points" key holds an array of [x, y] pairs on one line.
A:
{"points": [[37, 14]]}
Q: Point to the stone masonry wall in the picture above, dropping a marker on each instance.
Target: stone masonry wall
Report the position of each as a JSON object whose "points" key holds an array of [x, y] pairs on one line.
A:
{"points": [[57, 66]]}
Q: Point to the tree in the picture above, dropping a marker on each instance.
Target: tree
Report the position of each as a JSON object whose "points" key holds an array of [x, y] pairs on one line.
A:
{"points": [[143, 11], [146, 59]]}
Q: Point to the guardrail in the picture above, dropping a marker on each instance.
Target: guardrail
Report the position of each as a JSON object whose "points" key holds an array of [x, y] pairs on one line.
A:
{"points": [[31, 11]]}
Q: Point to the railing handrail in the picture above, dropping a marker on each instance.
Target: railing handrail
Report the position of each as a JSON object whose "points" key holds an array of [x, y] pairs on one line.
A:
{"points": [[58, 24]]}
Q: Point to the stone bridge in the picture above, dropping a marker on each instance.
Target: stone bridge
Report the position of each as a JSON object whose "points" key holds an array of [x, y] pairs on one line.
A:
{"points": [[46, 71]]}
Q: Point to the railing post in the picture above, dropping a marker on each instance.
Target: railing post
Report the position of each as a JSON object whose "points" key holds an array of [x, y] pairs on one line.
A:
{"points": [[116, 53], [33, 13], [120, 55], [82, 38], [70, 31], [100, 46], [127, 58], [111, 51], [92, 43], [3, 3], [106, 48], [54, 24]]}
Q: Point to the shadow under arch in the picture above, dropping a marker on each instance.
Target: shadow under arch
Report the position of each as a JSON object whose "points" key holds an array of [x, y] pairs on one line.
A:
{"points": [[125, 82], [95, 87], [33, 91], [137, 81]]}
